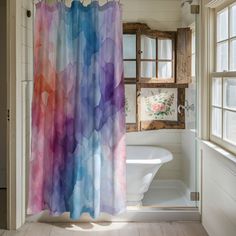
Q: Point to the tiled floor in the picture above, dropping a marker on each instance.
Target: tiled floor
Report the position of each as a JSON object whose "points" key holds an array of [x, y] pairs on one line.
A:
{"points": [[110, 229], [3, 209], [167, 197]]}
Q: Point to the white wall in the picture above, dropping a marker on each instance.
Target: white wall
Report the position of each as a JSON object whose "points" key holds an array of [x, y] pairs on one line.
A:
{"points": [[218, 191], [188, 164], [158, 14], [3, 95]]}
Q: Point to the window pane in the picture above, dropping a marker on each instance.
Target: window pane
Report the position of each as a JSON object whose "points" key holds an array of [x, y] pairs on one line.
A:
{"points": [[193, 65], [164, 70], [130, 103], [193, 42], [148, 69], [130, 69], [222, 25], [217, 92], [233, 21], [129, 46], [222, 56], [230, 126], [230, 93], [148, 47], [164, 49], [216, 121], [233, 55]]}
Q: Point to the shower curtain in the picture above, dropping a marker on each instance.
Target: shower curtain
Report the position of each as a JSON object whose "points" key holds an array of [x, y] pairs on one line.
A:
{"points": [[77, 162]]}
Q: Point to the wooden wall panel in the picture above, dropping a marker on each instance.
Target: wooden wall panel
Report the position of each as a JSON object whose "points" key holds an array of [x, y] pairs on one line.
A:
{"points": [[183, 56]]}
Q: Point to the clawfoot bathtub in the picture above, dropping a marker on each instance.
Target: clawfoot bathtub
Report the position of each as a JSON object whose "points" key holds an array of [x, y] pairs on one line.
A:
{"points": [[143, 162]]}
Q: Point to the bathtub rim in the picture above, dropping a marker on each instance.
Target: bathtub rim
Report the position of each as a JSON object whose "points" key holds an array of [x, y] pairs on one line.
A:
{"points": [[159, 160]]}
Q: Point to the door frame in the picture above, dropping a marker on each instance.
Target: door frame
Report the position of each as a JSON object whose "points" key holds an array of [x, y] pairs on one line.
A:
{"points": [[15, 159]]}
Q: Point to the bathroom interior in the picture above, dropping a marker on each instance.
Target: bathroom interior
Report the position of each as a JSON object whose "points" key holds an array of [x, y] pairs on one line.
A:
{"points": [[145, 145], [159, 51]]}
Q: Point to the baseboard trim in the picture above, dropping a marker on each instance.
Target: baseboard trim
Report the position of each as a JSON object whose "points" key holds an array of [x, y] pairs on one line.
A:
{"points": [[139, 215]]}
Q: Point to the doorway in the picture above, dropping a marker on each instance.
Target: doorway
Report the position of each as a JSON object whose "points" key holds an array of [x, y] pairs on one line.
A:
{"points": [[3, 114]]}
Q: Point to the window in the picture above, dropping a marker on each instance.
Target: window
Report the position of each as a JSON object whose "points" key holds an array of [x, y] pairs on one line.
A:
{"points": [[157, 58], [153, 91], [129, 54], [223, 80], [193, 60], [153, 58]]}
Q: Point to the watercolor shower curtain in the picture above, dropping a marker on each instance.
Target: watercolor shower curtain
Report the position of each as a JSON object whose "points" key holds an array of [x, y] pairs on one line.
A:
{"points": [[78, 118]]}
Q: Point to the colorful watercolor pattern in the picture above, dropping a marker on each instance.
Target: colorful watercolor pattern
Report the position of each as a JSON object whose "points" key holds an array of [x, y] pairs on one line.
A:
{"points": [[78, 111]]}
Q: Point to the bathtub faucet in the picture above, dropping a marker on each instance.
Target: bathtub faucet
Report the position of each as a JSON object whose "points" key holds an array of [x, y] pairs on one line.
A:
{"points": [[186, 107]]}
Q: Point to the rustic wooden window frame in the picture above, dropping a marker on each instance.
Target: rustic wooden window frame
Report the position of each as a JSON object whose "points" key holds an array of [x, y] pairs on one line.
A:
{"points": [[134, 29], [159, 35], [142, 29]]}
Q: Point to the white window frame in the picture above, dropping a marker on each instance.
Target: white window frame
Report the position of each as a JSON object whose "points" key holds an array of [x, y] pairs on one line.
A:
{"points": [[223, 75]]}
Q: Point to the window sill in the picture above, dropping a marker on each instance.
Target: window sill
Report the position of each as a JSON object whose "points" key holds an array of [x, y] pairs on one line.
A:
{"points": [[223, 152]]}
